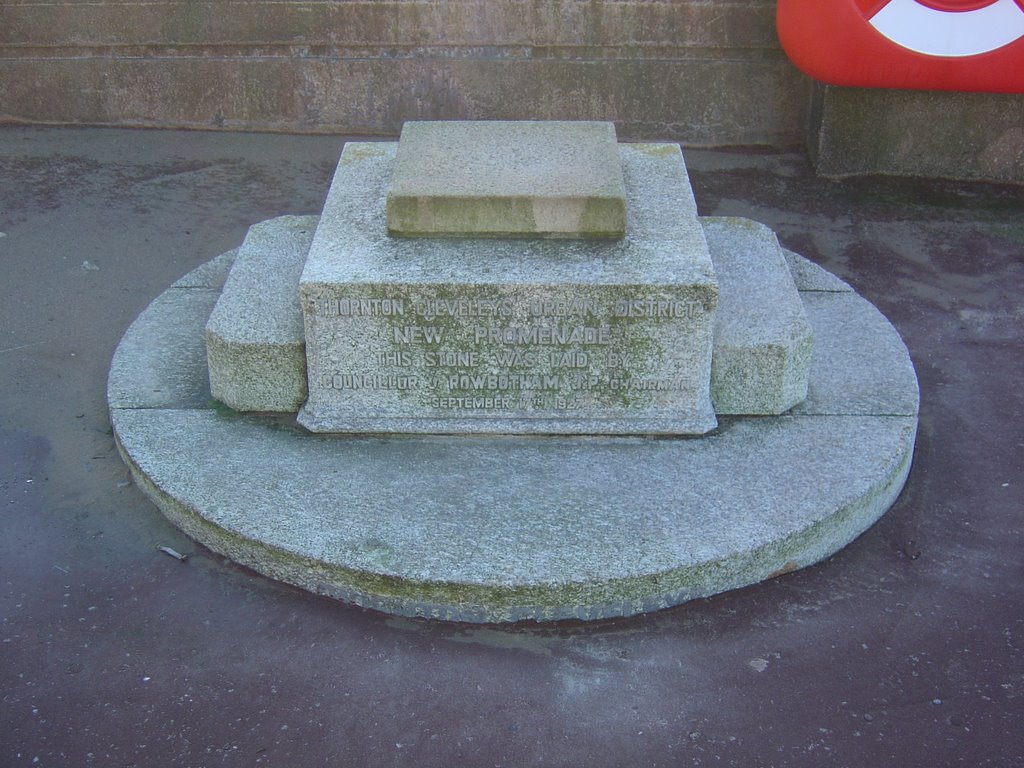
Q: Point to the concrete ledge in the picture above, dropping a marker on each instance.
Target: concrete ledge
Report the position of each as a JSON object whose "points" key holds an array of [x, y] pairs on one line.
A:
{"points": [[659, 70], [306, 25]]}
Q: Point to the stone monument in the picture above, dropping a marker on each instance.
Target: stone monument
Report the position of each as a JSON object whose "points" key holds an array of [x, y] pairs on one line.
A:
{"points": [[526, 381]]}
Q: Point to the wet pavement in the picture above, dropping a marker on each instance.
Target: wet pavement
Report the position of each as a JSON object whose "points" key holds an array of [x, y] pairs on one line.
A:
{"points": [[905, 648]]}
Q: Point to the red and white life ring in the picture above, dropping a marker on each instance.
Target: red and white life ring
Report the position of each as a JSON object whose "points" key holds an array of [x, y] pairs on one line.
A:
{"points": [[968, 45], [950, 28]]}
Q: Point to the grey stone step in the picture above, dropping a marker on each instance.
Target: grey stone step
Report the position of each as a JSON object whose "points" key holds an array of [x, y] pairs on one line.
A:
{"points": [[859, 386], [161, 361], [860, 364], [808, 276], [503, 529], [763, 341], [254, 337], [212, 274]]}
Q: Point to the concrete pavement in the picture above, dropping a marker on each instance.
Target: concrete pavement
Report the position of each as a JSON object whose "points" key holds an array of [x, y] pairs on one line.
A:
{"points": [[905, 648]]}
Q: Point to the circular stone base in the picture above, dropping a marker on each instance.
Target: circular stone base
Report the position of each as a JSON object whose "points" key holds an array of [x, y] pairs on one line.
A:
{"points": [[500, 529]]}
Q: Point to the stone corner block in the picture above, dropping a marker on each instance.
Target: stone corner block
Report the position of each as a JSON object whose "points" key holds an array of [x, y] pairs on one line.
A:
{"points": [[763, 341], [507, 179], [254, 337]]}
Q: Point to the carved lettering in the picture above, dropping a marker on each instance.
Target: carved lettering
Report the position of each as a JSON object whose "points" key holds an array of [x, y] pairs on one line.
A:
{"points": [[417, 334], [515, 358], [433, 308], [367, 381], [500, 403], [564, 307], [495, 353], [503, 381], [658, 308], [542, 335], [401, 359], [648, 385], [361, 307], [451, 359]]}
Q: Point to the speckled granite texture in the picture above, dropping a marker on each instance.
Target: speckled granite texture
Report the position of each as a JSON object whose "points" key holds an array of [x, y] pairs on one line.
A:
{"points": [[763, 341]]}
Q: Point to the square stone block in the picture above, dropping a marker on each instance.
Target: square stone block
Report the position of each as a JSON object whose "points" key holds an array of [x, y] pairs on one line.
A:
{"points": [[507, 179], [254, 337], [510, 336]]}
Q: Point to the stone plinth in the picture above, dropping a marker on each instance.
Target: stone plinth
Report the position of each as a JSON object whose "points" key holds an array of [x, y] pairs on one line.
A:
{"points": [[489, 529], [507, 179], [533, 336]]}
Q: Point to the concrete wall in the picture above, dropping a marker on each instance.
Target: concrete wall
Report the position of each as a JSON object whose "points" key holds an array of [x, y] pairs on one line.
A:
{"points": [[705, 72], [702, 72]]}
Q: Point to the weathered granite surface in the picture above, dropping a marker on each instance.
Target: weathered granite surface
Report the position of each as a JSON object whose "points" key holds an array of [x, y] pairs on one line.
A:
{"points": [[160, 362], [861, 365], [510, 336], [498, 529], [808, 276], [254, 337], [504, 529], [763, 341], [212, 274], [507, 179]]}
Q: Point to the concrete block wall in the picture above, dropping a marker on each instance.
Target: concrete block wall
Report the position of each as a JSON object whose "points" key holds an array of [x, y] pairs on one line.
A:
{"points": [[704, 72]]}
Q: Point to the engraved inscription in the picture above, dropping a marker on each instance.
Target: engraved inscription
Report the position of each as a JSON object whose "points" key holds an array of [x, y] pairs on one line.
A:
{"points": [[360, 307], [600, 349], [541, 335], [415, 334], [657, 308]]}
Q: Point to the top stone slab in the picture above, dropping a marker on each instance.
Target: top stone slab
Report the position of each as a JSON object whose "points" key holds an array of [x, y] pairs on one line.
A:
{"points": [[507, 179]]}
